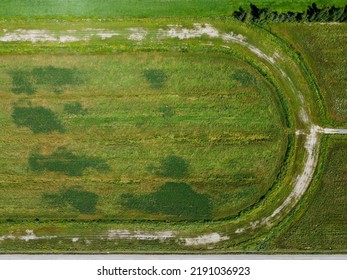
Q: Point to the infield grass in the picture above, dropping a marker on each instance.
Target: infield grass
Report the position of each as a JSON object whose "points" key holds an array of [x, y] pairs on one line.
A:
{"points": [[125, 130]]}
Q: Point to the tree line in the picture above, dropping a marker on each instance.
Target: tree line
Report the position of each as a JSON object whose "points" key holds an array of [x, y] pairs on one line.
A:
{"points": [[312, 14]]}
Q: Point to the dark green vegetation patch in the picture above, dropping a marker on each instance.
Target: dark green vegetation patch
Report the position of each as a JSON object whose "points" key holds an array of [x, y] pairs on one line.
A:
{"points": [[38, 119], [74, 108], [64, 161], [245, 78], [166, 111], [54, 77], [177, 199], [84, 201], [22, 82], [156, 77], [172, 167]]}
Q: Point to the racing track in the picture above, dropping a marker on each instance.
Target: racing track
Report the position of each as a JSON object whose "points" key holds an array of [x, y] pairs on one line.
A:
{"points": [[302, 121]]}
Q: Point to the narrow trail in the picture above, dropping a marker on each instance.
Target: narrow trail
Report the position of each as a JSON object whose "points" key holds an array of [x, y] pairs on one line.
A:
{"points": [[303, 181], [333, 130]]}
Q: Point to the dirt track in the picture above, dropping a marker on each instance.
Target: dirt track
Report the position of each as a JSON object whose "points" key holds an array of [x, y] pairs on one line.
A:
{"points": [[303, 180]]}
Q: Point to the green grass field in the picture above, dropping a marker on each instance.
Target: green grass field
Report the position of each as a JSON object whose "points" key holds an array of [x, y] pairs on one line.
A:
{"points": [[167, 122], [322, 227], [326, 60], [318, 223], [143, 8], [127, 130], [190, 136]]}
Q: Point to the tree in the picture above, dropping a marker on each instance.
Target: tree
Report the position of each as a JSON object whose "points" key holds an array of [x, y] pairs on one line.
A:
{"points": [[311, 14]]}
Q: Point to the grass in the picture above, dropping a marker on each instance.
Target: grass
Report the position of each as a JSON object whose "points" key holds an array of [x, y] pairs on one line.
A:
{"points": [[144, 8], [117, 125], [223, 117], [74, 108], [66, 162], [155, 77], [27, 81], [322, 226], [172, 167], [178, 200], [83, 201], [38, 119], [326, 60]]}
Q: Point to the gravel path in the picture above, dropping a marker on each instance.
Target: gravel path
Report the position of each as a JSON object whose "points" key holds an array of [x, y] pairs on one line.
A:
{"points": [[304, 179], [334, 130]]}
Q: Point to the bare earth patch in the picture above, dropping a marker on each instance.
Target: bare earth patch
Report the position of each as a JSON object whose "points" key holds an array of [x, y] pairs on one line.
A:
{"points": [[34, 36], [137, 34], [140, 235], [30, 235], [204, 239]]}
